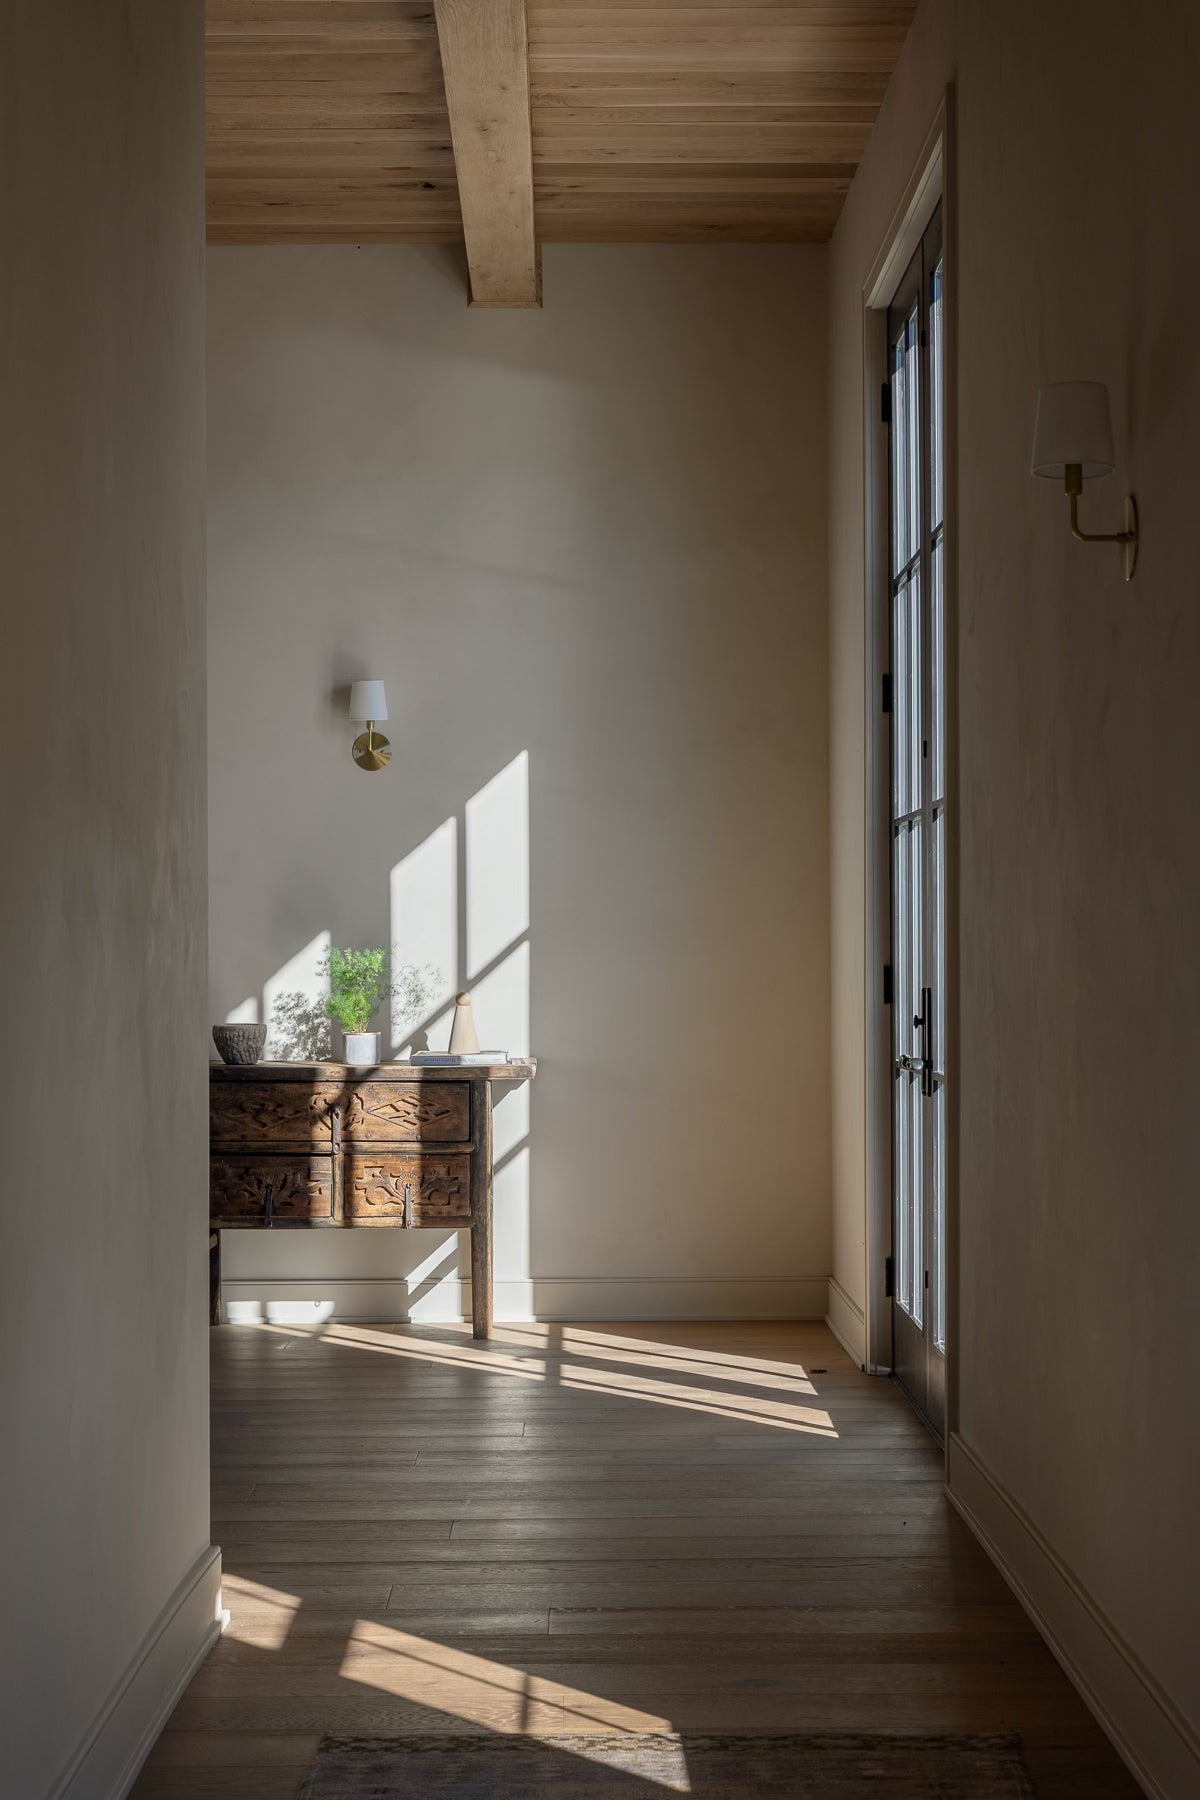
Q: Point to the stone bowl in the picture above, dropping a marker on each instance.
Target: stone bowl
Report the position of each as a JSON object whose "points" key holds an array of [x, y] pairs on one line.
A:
{"points": [[240, 1043]]}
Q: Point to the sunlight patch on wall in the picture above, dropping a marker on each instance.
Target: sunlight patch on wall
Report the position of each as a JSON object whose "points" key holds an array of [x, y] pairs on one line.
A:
{"points": [[278, 1312], [501, 1006], [511, 1230], [500, 1003], [497, 831], [244, 1013], [435, 1293], [424, 926], [292, 1004]]}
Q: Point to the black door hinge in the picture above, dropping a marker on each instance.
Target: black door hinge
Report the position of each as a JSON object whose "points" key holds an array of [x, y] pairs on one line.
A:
{"points": [[889, 1277], [887, 694], [885, 402], [887, 984]]}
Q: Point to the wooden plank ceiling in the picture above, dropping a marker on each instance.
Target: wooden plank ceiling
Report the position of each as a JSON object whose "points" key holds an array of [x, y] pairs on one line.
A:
{"points": [[658, 121]]}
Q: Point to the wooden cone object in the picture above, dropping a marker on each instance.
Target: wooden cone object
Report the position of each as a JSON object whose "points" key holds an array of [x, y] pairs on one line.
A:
{"points": [[464, 1039]]}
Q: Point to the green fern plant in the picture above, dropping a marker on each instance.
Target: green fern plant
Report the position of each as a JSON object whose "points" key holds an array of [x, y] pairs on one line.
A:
{"points": [[360, 982]]}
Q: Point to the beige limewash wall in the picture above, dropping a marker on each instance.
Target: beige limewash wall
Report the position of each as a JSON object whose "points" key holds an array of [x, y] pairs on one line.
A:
{"points": [[103, 1333], [1079, 1384], [585, 549]]}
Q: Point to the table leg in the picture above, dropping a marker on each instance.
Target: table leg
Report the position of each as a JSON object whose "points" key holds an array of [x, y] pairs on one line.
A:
{"points": [[481, 1211]]}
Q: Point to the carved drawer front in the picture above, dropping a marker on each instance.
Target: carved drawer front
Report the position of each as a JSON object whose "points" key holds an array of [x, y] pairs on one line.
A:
{"points": [[407, 1112], [260, 1190], [272, 1112], [414, 1190]]}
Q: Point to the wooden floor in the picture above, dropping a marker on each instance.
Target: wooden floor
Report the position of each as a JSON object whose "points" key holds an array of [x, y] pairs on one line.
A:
{"points": [[582, 1528]]}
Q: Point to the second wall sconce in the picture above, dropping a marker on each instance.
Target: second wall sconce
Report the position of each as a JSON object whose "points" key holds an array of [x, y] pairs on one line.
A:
{"points": [[368, 704], [1073, 443]]}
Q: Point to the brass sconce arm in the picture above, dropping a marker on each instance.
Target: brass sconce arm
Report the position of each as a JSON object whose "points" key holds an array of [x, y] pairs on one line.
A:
{"points": [[1073, 485]]}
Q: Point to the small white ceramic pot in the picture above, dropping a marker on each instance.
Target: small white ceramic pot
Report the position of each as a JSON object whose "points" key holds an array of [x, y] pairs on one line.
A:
{"points": [[362, 1047]]}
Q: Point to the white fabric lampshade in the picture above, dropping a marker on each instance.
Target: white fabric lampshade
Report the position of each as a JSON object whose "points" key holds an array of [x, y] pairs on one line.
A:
{"points": [[1073, 426], [368, 700]]}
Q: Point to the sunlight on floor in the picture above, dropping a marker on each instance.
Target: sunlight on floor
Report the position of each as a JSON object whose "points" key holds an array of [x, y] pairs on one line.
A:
{"points": [[615, 1367], [587, 1340], [259, 1616], [475, 1689]]}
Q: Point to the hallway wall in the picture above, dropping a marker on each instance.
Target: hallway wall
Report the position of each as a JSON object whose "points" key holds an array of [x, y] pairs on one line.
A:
{"points": [[585, 548], [1079, 1236], [109, 1582]]}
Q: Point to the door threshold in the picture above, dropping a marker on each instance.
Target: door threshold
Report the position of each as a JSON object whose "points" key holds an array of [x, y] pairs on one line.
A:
{"points": [[937, 1435]]}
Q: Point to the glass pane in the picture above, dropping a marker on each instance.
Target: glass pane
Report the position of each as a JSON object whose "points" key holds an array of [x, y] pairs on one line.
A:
{"points": [[902, 916], [913, 695], [906, 697], [939, 940], [916, 1221], [916, 934], [912, 431], [936, 396], [938, 1052], [937, 684], [903, 1194], [939, 1216], [901, 768], [899, 444], [907, 1085]]}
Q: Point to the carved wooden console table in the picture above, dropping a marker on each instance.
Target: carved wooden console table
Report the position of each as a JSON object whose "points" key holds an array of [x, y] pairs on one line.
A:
{"points": [[310, 1145]]}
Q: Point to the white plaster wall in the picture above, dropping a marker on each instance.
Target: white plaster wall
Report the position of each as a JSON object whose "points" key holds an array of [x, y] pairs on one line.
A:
{"points": [[1079, 1384], [585, 548], [103, 1334]]}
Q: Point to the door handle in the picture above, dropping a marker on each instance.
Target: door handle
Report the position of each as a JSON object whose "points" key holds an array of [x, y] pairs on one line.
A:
{"points": [[924, 1024]]}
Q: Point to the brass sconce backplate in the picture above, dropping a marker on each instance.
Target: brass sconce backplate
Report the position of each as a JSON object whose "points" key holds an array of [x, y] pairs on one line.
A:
{"points": [[1131, 536], [371, 751]]}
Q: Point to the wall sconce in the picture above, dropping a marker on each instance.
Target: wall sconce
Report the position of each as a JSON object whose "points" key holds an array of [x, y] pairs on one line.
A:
{"points": [[368, 704], [1073, 443]]}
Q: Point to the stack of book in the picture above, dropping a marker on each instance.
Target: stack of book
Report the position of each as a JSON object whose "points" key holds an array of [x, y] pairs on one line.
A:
{"points": [[434, 1059]]}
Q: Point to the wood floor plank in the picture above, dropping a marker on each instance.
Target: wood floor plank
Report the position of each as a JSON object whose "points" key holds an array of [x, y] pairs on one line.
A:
{"points": [[591, 1528], [288, 1542]]}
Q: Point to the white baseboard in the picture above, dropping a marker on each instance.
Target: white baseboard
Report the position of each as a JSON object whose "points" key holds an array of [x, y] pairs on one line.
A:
{"points": [[106, 1764], [1146, 1727], [570, 1299], [847, 1322]]}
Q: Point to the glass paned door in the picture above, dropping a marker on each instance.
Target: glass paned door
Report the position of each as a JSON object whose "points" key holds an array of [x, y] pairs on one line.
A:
{"points": [[916, 364]]}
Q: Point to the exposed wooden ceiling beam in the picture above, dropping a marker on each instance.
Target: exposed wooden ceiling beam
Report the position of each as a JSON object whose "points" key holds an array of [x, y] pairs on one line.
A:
{"points": [[485, 63], [654, 121]]}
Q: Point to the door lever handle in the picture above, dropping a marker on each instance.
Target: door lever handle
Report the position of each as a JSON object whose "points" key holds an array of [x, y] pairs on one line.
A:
{"points": [[924, 1024]]}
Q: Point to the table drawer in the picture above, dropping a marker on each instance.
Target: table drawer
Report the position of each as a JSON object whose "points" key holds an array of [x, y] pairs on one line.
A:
{"points": [[272, 1112], [260, 1190], [417, 1190], [407, 1112]]}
